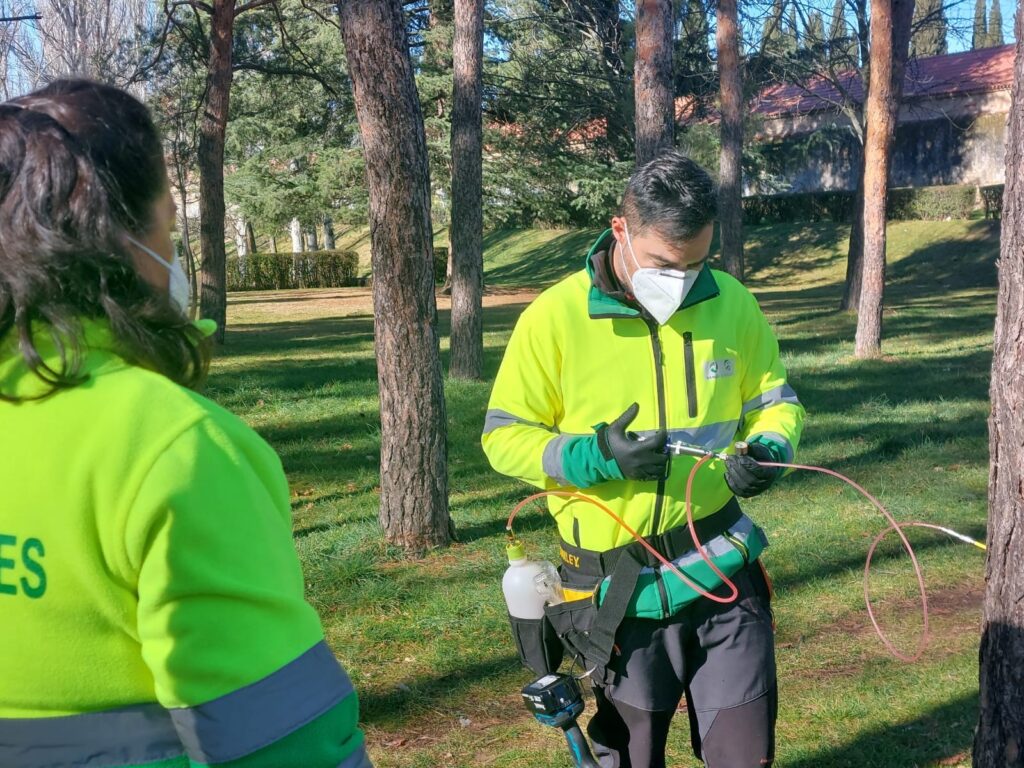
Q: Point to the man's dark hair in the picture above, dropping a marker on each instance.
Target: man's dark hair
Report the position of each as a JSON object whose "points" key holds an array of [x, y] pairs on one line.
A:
{"points": [[81, 169], [671, 195]]}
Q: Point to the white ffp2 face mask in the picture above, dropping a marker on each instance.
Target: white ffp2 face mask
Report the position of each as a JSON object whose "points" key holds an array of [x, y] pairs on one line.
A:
{"points": [[179, 290], [659, 291]]}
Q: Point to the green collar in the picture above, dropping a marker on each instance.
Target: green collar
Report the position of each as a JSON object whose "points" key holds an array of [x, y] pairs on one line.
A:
{"points": [[98, 348], [600, 305], [17, 378]]}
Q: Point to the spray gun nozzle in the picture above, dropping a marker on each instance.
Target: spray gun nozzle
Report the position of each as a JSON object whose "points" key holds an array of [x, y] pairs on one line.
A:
{"points": [[679, 448]]}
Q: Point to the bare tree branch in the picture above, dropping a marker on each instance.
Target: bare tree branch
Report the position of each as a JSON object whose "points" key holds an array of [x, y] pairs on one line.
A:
{"points": [[336, 23], [294, 49], [274, 70], [253, 5], [198, 5]]}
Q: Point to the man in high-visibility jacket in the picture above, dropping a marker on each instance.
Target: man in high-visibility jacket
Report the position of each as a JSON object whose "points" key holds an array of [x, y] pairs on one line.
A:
{"points": [[644, 346]]}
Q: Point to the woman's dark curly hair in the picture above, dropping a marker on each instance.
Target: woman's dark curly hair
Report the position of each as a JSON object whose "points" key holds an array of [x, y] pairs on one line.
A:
{"points": [[81, 170]]}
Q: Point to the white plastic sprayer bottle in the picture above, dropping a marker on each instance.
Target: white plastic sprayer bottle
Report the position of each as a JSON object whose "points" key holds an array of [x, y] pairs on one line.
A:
{"points": [[529, 584]]}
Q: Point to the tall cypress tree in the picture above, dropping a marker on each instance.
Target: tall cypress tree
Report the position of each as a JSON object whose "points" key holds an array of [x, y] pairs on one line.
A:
{"points": [[995, 25], [773, 32], [979, 39], [841, 45], [814, 35], [791, 40], [930, 28]]}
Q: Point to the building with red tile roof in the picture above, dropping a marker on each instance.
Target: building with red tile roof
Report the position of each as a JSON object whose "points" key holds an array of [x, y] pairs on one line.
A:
{"points": [[952, 126]]}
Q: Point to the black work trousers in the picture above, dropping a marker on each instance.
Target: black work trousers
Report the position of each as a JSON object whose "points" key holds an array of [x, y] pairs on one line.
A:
{"points": [[720, 657]]}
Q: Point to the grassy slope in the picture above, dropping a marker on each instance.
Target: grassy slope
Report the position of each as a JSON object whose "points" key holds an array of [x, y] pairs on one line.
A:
{"points": [[427, 641]]}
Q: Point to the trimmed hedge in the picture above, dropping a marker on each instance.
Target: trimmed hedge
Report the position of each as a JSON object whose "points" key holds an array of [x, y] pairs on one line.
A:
{"points": [[440, 264], [806, 206], [992, 199], [931, 203], [440, 267], [906, 203], [284, 271]]}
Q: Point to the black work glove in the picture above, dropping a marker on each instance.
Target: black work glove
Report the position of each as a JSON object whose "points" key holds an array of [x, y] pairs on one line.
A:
{"points": [[637, 458], [745, 476]]}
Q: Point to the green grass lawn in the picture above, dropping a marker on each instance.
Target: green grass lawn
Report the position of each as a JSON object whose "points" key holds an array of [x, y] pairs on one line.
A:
{"points": [[427, 641]]}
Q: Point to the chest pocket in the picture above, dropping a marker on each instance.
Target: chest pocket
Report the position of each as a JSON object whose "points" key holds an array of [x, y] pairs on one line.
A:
{"points": [[690, 370], [711, 373]]}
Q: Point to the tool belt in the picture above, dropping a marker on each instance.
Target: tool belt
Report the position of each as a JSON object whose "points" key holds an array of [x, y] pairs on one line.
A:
{"points": [[588, 631]]}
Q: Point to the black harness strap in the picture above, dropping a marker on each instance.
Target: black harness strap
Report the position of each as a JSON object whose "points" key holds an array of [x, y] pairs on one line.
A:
{"points": [[613, 609], [586, 568]]}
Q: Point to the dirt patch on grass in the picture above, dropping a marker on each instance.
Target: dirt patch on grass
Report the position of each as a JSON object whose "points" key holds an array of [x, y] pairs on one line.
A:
{"points": [[478, 727], [268, 306], [954, 614]]}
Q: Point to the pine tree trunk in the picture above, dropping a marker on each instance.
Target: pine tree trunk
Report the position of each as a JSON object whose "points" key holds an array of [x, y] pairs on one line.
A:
{"points": [[329, 243], [863, 32], [296, 232], [890, 38], [730, 191], [213, 299], [191, 268], [250, 238], [413, 457], [446, 287], [855, 250], [655, 108], [467, 344], [273, 243], [999, 738], [241, 242]]}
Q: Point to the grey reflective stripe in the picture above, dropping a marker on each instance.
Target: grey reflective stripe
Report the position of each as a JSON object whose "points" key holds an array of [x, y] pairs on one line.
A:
{"points": [[125, 736], [783, 441], [259, 714], [714, 437], [497, 418], [551, 460], [358, 759], [783, 394], [718, 546]]}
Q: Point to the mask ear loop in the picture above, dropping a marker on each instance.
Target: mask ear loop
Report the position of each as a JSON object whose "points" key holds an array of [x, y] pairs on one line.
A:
{"points": [[150, 252], [629, 243]]}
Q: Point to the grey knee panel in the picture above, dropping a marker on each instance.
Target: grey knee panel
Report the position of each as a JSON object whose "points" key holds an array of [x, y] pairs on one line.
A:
{"points": [[743, 736]]}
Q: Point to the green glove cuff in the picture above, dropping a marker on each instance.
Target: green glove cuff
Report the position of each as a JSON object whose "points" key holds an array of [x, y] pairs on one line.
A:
{"points": [[777, 450], [584, 465]]}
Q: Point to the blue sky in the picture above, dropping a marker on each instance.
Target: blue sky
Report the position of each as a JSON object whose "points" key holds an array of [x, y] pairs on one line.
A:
{"points": [[960, 14]]}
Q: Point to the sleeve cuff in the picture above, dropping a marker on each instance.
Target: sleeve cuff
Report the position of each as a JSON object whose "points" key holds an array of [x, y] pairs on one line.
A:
{"points": [[584, 464]]}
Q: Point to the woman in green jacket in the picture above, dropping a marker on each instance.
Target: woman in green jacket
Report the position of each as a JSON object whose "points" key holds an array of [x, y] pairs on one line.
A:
{"points": [[152, 600]]}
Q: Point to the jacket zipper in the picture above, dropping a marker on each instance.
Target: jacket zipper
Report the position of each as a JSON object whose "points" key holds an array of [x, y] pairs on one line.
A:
{"points": [[659, 501], [691, 374], [740, 546], [662, 419]]}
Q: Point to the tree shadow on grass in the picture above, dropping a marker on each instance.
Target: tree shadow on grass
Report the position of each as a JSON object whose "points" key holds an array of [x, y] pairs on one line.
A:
{"points": [[853, 562], [938, 734], [428, 692], [938, 378], [551, 261]]}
